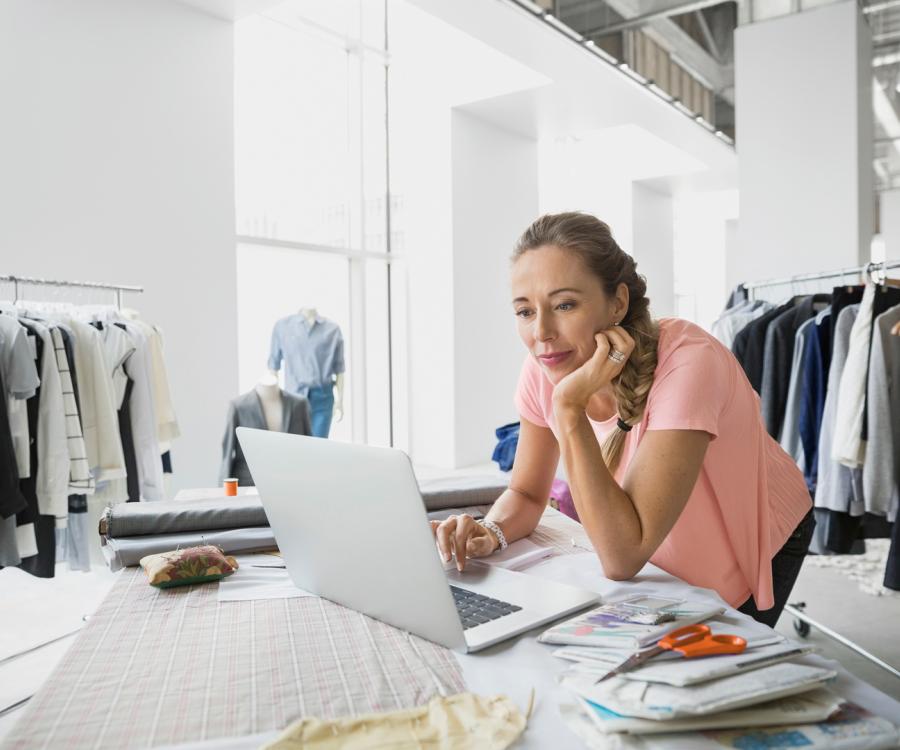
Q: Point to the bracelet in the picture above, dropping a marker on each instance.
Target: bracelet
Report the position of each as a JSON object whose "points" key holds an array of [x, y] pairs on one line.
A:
{"points": [[497, 531]]}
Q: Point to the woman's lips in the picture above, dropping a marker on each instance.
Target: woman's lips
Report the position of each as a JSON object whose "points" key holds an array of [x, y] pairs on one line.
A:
{"points": [[552, 360]]}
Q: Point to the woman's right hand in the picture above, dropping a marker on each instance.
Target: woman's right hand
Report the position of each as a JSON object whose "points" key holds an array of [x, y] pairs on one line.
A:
{"points": [[461, 536]]}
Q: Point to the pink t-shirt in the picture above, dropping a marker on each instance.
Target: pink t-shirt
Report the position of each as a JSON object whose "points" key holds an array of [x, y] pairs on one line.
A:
{"points": [[749, 496]]}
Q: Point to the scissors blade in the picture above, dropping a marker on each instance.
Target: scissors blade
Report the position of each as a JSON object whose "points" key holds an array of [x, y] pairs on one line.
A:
{"points": [[632, 662]]}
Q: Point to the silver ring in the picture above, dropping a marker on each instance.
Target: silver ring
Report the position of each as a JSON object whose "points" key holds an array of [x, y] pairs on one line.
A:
{"points": [[616, 356]]}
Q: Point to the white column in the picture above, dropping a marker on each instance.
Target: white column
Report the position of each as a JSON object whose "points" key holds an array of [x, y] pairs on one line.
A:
{"points": [[890, 223], [653, 246], [495, 197]]}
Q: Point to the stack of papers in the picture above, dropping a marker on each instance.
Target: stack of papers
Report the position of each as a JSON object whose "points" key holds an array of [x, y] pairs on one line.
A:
{"points": [[669, 700]]}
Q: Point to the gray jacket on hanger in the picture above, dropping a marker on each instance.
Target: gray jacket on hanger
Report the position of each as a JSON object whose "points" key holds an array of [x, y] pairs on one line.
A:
{"points": [[246, 411]]}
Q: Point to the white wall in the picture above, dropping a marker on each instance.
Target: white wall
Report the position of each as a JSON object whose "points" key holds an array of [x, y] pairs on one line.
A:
{"points": [[803, 109], [116, 146], [495, 197], [890, 223], [653, 246]]}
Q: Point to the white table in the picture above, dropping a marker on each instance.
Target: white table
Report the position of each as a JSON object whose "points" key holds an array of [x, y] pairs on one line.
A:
{"points": [[516, 666]]}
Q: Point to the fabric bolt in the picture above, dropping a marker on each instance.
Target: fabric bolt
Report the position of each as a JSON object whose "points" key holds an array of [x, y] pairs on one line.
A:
{"points": [[789, 438], [246, 411], [321, 408], [749, 496], [18, 371], [847, 446], [174, 516], [813, 391], [834, 489], [80, 479], [312, 354], [183, 667], [778, 354], [881, 471], [749, 344], [142, 409]]}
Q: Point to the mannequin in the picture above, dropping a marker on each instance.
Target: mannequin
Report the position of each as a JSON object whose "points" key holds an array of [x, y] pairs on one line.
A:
{"points": [[310, 314], [271, 399], [312, 348]]}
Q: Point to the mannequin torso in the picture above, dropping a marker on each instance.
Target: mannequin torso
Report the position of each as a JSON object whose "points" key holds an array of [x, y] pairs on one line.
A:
{"points": [[270, 397]]}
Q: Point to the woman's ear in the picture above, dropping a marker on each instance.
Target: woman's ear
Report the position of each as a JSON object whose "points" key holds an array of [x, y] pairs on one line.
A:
{"points": [[622, 299]]}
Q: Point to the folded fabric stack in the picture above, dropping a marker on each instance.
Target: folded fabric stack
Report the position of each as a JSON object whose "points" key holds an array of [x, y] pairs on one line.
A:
{"points": [[768, 695], [131, 531]]}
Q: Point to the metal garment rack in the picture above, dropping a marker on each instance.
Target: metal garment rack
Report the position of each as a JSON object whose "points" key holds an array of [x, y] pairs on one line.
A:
{"points": [[32, 281], [869, 269], [803, 622]]}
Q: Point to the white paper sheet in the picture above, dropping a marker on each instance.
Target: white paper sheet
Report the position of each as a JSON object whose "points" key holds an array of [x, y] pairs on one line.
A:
{"points": [[259, 577], [519, 555]]}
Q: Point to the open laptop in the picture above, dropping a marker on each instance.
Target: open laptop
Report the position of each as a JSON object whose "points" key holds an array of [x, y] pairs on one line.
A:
{"points": [[352, 528]]}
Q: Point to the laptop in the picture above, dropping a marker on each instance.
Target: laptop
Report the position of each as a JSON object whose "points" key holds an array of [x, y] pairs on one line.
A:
{"points": [[352, 528]]}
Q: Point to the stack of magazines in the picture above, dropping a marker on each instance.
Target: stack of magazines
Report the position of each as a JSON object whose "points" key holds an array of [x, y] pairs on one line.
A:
{"points": [[766, 696]]}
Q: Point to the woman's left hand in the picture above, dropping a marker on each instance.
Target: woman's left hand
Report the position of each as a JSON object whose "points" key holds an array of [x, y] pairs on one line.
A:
{"points": [[576, 388]]}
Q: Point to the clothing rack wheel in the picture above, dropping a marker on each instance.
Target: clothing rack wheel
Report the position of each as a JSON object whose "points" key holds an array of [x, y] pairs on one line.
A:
{"points": [[803, 622], [800, 626]]}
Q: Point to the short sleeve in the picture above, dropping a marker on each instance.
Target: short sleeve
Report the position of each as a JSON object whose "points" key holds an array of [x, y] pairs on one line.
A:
{"points": [[22, 374], [532, 393], [338, 361], [275, 353], [691, 388]]}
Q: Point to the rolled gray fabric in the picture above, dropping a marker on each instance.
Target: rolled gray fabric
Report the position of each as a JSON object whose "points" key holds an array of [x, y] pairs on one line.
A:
{"points": [[462, 492], [175, 516], [127, 551]]}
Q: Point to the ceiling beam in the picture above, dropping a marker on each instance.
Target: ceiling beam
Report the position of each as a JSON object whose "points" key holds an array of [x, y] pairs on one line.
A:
{"points": [[642, 20]]}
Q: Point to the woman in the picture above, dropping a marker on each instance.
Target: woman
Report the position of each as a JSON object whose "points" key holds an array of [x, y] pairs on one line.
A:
{"points": [[664, 446]]}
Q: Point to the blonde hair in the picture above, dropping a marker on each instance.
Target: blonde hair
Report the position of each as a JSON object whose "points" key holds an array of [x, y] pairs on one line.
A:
{"points": [[592, 241]]}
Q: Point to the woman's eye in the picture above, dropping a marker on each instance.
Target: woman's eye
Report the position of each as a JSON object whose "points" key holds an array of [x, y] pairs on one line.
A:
{"points": [[564, 306], [524, 313]]}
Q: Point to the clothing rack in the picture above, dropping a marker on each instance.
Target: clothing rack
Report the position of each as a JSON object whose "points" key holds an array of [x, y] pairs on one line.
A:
{"points": [[868, 269], [803, 622], [117, 288]]}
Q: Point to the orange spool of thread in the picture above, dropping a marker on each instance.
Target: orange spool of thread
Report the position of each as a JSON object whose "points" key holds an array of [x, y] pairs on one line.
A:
{"points": [[231, 485]]}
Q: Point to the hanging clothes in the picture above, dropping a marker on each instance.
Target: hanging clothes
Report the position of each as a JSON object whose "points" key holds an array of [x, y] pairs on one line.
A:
{"points": [[750, 343], [778, 354], [881, 470], [789, 437], [733, 320], [18, 371], [814, 387]]}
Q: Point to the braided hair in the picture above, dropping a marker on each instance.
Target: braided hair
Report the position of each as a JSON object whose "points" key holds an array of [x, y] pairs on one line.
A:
{"points": [[592, 241]]}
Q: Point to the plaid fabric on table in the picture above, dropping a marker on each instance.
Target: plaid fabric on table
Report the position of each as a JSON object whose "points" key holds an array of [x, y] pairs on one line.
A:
{"points": [[155, 667]]}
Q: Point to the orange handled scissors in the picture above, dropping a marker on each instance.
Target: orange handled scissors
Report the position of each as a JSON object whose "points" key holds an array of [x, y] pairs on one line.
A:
{"points": [[690, 641]]}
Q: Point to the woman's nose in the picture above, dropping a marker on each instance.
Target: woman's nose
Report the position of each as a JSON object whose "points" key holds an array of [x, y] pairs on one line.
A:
{"points": [[544, 330]]}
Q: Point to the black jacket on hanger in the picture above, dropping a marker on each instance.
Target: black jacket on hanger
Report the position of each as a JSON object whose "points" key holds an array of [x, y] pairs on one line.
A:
{"points": [[749, 344]]}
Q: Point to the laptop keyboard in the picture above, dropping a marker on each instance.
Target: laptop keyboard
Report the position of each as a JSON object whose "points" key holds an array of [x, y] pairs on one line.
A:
{"points": [[476, 609]]}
